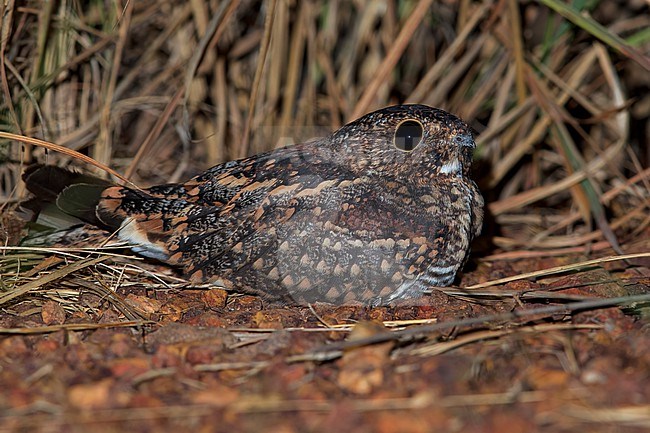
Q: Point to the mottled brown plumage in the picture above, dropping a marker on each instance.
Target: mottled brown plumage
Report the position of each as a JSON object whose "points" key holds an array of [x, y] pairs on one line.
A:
{"points": [[380, 210]]}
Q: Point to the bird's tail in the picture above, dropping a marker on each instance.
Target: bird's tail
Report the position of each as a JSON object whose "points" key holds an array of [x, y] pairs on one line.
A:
{"points": [[70, 208], [63, 207]]}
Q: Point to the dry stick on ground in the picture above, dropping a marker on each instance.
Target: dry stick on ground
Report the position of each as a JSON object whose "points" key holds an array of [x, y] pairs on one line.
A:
{"points": [[440, 347], [335, 350], [557, 270], [73, 327], [53, 276]]}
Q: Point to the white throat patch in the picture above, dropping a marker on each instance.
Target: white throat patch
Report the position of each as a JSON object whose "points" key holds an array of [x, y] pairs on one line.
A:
{"points": [[451, 167]]}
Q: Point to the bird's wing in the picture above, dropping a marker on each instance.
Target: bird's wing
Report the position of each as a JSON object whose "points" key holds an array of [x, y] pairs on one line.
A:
{"points": [[175, 223]]}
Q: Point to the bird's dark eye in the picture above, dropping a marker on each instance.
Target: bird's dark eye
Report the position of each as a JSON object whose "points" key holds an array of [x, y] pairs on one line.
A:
{"points": [[408, 135]]}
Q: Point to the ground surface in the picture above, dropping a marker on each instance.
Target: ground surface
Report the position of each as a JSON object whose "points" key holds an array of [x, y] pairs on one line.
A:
{"points": [[73, 358]]}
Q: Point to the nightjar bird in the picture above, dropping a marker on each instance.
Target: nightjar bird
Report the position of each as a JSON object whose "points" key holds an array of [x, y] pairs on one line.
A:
{"points": [[380, 210]]}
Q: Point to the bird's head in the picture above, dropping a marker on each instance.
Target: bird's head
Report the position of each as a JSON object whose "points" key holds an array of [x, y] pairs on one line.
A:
{"points": [[406, 142]]}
